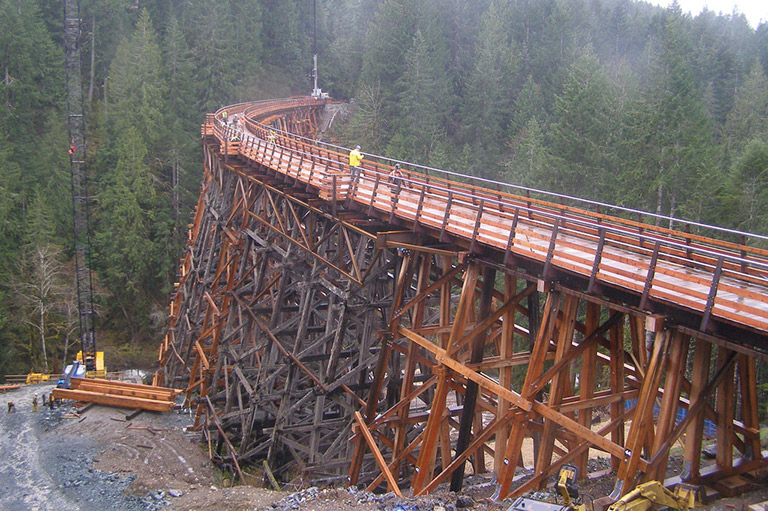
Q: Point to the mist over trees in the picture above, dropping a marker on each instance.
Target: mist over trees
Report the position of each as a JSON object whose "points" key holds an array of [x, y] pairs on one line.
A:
{"points": [[612, 100]]}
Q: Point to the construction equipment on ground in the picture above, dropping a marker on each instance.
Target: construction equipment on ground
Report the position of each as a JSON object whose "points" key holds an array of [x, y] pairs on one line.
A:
{"points": [[651, 495], [565, 487], [93, 363], [33, 378]]}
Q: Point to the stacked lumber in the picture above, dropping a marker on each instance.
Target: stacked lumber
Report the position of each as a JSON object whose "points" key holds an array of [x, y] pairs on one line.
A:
{"points": [[5, 388], [119, 393]]}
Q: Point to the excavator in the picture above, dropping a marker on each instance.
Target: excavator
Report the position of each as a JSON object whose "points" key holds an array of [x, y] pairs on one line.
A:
{"points": [[651, 495]]}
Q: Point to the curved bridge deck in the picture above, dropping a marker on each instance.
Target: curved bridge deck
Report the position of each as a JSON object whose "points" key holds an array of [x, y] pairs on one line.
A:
{"points": [[705, 276]]}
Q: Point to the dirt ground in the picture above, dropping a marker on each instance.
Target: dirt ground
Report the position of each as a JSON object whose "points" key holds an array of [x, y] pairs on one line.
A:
{"points": [[97, 459]]}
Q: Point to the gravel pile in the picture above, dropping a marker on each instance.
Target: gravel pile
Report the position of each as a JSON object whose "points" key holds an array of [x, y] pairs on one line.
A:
{"points": [[352, 498]]}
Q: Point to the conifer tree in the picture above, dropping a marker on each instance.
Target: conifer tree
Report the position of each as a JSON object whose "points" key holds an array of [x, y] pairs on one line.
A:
{"points": [[210, 38], [748, 118], [750, 186], [132, 234], [389, 38], [582, 159], [490, 91], [673, 134], [137, 86], [31, 74], [181, 123], [426, 99]]}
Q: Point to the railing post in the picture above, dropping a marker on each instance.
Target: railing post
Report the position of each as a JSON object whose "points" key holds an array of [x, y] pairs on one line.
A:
{"points": [[551, 249], [712, 295], [311, 172], [598, 258], [418, 207], [333, 204], [373, 193], [301, 166], [511, 240], [443, 237], [529, 204], [649, 276], [743, 253], [473, 243]]}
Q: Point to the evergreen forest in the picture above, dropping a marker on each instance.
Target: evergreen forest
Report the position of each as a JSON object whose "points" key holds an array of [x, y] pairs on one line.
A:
{"points": [[612, 100]]}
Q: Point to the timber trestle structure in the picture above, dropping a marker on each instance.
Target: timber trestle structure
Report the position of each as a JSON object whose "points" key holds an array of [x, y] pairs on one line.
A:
{"points": [[387, 334]]}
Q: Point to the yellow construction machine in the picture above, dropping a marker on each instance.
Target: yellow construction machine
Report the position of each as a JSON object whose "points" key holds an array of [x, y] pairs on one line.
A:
{"points": [[33, 378], [646, 496], [93, 363], [653, 495]]}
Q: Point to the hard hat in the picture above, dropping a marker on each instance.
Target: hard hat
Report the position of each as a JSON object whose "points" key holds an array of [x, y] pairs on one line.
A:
{"points": [[357, 147], [35, 394], [397, 165]]}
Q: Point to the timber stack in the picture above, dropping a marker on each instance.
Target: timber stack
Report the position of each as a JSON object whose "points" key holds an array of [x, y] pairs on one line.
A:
{"points": [[117, 393]]}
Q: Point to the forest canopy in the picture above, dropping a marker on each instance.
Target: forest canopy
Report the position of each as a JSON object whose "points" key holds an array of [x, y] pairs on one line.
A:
{"points": [[613, 100]]}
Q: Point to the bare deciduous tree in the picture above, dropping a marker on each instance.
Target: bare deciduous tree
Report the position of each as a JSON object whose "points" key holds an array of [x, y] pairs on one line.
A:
{"points": [[39, 286]]}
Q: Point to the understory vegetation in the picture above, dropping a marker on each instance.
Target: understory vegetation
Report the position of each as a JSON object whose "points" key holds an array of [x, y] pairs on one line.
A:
{"points": [[612, 100]]}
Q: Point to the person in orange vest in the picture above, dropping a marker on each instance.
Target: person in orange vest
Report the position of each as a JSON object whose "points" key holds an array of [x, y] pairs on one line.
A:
{"points": [[355, 159]]}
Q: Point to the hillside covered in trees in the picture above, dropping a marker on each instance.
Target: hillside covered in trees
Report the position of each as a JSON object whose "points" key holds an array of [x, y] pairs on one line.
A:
{"points": [[613, 100]]}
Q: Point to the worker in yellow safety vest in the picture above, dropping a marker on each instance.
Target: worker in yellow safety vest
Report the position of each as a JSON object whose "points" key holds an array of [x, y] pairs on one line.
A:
{"points": [[355, 159]]}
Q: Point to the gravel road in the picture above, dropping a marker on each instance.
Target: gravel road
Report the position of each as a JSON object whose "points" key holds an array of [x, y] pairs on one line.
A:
{"points": [[43, 470], [102, 461]]}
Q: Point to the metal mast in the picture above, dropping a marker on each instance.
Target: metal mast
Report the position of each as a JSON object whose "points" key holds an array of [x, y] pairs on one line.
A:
{"points": [[76, 125], [314, 45], [316, 93]]}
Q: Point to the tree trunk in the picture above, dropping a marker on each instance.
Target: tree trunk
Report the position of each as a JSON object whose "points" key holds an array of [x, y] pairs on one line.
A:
{"points": [[41, 326], [66, 351], [175, 195], [672, 211], [659, 196]]}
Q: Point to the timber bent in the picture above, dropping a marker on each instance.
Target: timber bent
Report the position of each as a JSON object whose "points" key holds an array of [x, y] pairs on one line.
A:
{"points": [[353, 330]]}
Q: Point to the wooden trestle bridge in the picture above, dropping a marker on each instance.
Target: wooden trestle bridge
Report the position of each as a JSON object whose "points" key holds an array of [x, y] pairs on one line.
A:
{"points": [[358, 331]]}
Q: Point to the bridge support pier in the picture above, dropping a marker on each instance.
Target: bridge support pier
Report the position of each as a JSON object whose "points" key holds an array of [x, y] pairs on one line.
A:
{"points": [[590, 384], [276, 324]]}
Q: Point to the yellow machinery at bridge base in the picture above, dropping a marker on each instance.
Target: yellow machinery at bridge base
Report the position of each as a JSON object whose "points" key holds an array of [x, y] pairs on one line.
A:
{"points": [[94, 364]]}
